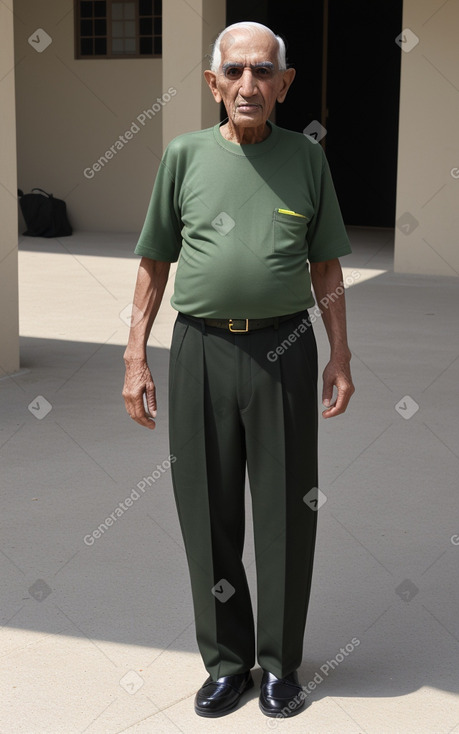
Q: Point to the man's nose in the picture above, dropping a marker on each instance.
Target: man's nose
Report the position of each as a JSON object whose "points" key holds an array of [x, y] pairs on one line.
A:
{"points": [[248, 83]]}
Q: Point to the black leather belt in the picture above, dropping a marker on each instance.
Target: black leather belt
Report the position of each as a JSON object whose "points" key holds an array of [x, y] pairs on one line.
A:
{"points": [[241, 326]]}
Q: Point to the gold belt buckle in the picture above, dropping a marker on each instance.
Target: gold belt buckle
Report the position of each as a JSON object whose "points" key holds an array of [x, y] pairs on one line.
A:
{"points": [[238, 331]]}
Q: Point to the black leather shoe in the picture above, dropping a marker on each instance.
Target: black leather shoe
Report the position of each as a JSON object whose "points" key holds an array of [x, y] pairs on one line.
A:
{"points": [[217, 698], [282, 696]]}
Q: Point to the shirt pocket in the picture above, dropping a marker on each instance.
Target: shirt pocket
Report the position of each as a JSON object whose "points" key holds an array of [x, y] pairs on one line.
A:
{"points": [[289, 232]]}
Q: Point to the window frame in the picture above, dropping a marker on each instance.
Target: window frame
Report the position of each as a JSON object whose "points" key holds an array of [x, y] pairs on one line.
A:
{"points": [[108, 17]]}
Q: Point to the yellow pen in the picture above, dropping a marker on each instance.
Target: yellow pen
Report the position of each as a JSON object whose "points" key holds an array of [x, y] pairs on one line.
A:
{"points": [[293, 214]]}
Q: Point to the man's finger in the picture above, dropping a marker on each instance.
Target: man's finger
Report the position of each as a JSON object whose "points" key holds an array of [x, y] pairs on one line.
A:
{"points": [[140, 416], [135, 407], [341, 403], [335, 409], [150, 393], [139, 394], [327, 392], [141, 411]]}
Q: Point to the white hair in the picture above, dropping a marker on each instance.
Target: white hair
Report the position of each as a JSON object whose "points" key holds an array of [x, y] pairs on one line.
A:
{"points": [[216, 57]]}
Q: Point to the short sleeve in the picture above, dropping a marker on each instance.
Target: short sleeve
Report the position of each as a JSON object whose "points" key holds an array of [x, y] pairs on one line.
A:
{"points": [[160, 238], [327, 237]]}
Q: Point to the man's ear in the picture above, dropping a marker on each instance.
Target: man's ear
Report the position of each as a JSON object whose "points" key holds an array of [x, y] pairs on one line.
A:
{"points": [[287, 78], [211, 79]]}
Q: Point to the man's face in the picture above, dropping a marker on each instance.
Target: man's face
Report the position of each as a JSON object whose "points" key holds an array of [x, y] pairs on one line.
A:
{"points": [[249, 81]]}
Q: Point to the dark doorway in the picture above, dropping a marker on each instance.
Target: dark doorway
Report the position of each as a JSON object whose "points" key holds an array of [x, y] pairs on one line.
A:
{"points": [[357, 100]]}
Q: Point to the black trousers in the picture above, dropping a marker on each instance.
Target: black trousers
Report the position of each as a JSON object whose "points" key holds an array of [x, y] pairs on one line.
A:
{"points": [[242, 401]]}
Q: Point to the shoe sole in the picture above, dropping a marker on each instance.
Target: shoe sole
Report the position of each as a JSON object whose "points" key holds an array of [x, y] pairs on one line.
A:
{"points": [[274, 715], [223, 712]]}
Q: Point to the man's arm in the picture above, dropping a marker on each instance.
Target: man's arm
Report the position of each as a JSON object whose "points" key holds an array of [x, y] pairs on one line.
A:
{"points": [[327, 279], [149, 290]]}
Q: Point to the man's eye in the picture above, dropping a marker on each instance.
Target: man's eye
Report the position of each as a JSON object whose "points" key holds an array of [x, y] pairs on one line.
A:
{"points": [[233, 72], [262, 71]]}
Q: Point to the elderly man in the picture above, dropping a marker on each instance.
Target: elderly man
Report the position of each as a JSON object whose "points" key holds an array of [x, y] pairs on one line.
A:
{"points": [[250, 212]]}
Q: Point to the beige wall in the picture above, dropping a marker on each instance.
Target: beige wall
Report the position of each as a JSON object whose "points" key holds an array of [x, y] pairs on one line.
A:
{"points": [[70, 112], [427, 192], [189, 29], [215, 15], [9, 339]]}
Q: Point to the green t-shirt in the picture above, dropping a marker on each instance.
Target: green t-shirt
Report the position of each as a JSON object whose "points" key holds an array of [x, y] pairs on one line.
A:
{"points": [[243, 221]]}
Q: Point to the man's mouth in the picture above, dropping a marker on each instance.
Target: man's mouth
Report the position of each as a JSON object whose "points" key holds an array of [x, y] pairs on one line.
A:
{"points": [[248, 107]]}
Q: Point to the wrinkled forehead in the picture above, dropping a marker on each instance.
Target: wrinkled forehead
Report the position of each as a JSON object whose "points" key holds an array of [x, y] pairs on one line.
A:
{"points": [[248, 46]]}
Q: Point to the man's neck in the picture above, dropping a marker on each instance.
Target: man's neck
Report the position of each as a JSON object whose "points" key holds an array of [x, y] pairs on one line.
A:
{"points": [[245, 135]]}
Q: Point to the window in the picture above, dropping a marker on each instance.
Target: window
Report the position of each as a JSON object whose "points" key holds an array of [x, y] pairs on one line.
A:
{"points": [[111, 29]]}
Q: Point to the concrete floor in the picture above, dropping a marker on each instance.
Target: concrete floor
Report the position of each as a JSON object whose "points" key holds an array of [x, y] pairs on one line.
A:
{"points": [[99, 638]]}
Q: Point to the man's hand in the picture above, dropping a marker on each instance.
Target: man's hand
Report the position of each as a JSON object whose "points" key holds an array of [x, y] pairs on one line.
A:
{"points": [[137, 383], [337, 374]]}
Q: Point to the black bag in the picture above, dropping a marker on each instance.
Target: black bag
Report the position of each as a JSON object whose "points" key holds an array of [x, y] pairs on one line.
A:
{"points": [[44, 215]]}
